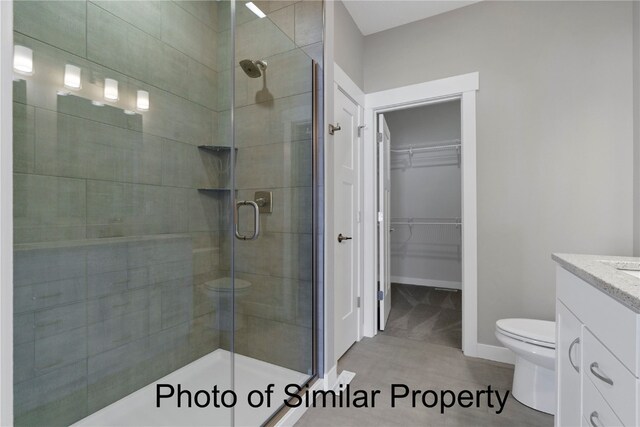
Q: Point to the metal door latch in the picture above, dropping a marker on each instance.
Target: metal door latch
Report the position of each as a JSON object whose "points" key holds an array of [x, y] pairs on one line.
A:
{"points": [[333, 129], [341, 238]]}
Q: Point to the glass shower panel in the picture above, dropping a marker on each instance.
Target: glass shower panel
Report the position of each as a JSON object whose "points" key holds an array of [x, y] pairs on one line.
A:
{"points": [[273, 138], [122, 159]]}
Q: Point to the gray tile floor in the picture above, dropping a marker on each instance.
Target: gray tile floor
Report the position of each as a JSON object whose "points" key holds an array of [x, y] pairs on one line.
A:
{"points": [[421, 364]]}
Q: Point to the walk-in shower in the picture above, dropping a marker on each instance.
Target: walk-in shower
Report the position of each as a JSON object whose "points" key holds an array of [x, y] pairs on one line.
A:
{"points": [[141, 153]]}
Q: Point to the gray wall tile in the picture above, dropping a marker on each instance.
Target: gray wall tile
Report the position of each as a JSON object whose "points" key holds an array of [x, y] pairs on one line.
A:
{"points": [[50, 387], [188, 34], [116, 331], [205, 11], [145, 15], [55, 351], [49, 203], [120, 209], [50, 294], [308, 23], [23, 367], [60, 319], [23, 138], [80, 148], [61, 23]]}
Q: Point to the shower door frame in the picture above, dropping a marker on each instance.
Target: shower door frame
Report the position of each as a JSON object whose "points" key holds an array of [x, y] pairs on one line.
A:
{"points": [[6, 213]]}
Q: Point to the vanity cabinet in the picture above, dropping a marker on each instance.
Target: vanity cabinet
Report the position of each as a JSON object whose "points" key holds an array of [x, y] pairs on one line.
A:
{"points": [[568, 362], [597, 356]]}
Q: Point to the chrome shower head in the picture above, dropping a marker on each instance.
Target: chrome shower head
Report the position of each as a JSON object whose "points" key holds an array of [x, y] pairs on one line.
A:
{"points": [[252, 68]]}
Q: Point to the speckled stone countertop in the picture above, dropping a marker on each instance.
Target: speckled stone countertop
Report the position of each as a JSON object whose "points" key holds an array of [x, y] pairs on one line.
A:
{"points": [[607, 274]]}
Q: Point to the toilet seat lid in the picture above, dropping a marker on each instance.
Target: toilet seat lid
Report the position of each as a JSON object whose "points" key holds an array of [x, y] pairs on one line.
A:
{"points": [[542, 331]]}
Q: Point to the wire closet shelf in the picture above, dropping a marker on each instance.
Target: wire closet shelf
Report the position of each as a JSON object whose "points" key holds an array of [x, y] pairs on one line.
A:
{"points": [[426, 221], [412, 150]]}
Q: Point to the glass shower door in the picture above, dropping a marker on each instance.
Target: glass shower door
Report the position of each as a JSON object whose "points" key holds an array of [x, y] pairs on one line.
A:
{"points": [[272, 246]]}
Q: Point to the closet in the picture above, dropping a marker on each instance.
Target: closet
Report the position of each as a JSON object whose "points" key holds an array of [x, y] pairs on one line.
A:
{"points": [[425, 222]]}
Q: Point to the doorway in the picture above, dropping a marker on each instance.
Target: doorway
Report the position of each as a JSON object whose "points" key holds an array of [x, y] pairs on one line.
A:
{"points": [[423, 204], [462, 89]]}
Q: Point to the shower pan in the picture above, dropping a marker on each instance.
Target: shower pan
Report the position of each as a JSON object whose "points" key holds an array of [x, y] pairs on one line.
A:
{"points": [[166, 225]]}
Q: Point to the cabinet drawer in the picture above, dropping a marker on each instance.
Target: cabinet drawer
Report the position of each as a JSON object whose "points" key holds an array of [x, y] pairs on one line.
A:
{"points": [[596, 411], [610, 377], [617, 326]]}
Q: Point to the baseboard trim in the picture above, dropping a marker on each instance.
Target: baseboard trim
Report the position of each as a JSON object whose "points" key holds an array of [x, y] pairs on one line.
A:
{"points": [[344, 378], [426, 282], [294, 414], [495, 353]]}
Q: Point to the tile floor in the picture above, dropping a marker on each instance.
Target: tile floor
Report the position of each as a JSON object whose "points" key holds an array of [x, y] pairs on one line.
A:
{"points": [[422, 357]]}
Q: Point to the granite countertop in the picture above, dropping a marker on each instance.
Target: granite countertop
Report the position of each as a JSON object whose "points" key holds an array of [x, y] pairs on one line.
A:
{"points": [[606, 273]]}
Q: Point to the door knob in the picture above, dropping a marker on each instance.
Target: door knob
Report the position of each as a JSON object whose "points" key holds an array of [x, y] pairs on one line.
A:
{"points": [[341, 238]]}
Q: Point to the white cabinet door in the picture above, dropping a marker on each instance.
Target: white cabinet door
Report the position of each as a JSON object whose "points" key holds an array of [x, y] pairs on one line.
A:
{"points": [[569, 360]]}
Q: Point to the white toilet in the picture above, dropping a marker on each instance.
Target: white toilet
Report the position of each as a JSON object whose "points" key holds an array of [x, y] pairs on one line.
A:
{"points": [[534, 343], [223, 295]]}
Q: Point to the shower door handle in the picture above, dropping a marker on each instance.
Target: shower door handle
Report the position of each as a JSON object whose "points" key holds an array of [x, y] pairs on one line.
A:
{"points": [[256, 219]]}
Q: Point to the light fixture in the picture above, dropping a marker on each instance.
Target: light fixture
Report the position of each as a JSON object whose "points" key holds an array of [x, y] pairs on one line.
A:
{"points": [[255, 9], [72, 76], [110, 89], [142, 102], [22, 60]]}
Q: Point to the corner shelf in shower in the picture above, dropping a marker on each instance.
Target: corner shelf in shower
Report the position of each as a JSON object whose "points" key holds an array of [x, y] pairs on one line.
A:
{"points": [[214, 190], [216, 149]]}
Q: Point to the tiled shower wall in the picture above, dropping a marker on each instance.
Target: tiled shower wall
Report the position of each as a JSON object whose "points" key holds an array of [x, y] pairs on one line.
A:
{"points": [[113, 239], [114, 242]]}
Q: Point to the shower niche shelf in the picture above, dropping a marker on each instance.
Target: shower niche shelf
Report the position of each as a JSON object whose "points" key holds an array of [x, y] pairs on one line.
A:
{"points": [[216, 149], [214, 190]]}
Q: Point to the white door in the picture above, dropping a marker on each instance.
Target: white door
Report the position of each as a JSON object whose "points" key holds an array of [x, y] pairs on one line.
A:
{"points": [[384, 229], [346, 240]]}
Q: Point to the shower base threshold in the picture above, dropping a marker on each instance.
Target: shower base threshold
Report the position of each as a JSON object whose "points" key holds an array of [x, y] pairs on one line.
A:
{"points": [[139, 408]]}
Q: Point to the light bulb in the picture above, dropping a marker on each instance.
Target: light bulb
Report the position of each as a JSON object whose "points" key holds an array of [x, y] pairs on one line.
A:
{"points": [[23, 59], [72, 78], [110, 89], [255, 9], [142, 102]]}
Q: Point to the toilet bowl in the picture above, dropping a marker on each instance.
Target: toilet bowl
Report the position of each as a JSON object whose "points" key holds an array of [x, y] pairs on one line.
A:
{"points": [[221, 294], [534, 343]]}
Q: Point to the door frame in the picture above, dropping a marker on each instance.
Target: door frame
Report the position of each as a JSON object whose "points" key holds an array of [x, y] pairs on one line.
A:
{"points": [[345, 85], [462, 87]]}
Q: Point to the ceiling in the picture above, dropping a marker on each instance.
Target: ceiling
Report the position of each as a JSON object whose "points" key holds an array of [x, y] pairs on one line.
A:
{"points": [[372, 16]]}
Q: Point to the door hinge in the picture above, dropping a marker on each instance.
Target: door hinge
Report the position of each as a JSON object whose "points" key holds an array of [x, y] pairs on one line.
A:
{"points": [[358, 302], [359, 218], [380, 295], [379, 137], [380, 217]]}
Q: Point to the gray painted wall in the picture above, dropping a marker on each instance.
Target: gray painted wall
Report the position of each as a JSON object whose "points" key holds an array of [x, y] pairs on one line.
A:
{"points": [[349, 44], [555, 134], [426, 186]]}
